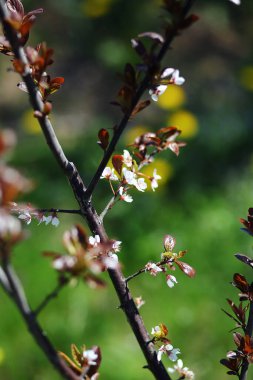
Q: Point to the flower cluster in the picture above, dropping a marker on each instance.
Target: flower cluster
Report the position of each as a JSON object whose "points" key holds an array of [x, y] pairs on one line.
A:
{"points": [[160, 333], [184, 372], [170, 258], [27, 213], [84, 362], [87, 256], [126, 172]]}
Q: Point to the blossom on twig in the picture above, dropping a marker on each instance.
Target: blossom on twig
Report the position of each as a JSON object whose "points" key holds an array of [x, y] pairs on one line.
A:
{"points": [[168, 76], [184, 372], [169, 350]]}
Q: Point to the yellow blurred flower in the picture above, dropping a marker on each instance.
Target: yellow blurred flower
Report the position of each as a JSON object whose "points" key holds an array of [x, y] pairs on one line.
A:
{"points": [[173, 97], [2, 355], [186, 122], [96, 8], [164, 169], [29, 123], [246, 77], [134, 132]]}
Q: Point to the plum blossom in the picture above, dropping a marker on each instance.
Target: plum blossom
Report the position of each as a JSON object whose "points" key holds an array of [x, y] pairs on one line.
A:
{"points": [[124, 196], [139, 302], [169, 350], [94, 241], [173, 77], [109, 174], [49, 219], [90, 356], [152, 268], [184, 372], [154, 179], [116, 247], [131, 179], [171, 280], [26, 217], [127, 159]]}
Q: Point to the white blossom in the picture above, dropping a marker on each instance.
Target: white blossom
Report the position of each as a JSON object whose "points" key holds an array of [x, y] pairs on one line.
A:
{"points": [[90, 357], [173, 78], [94, 241], [109, 174], [26, 217], [127, 159], [141, 184], [154, 179], [116, 247], [171, 280], [169, 350], [55, 221], [183, 371], [152, 268], [124, 196]]}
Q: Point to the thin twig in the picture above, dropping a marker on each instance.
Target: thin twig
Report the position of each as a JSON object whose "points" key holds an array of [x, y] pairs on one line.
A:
{"points": [[18, 296], [107, 208], [59, 210], [135, 275], [53, 294]]}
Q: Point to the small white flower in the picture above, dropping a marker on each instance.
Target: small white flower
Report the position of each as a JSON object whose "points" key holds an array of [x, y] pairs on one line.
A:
{"points": [[90, 356], [127, 159], [171, 280], [116, 247], [173, 78], [46, 219], [153, 269], [176, 79], [183, 371], [26, 217], [141, 184], [139, 302], [154, 179], [109, 174], [169, 350], [159, 90], [129, 176], [64, 262], [124, 196], [55, 221], [94, 241]]}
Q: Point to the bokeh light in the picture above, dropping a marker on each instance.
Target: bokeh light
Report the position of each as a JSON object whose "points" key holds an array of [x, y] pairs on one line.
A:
{"points": [[164, 169], [246, 77], [186, 122], [173, 97]]}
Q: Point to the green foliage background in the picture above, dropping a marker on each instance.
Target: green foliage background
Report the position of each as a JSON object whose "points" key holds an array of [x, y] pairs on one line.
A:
{"points": [[200, 205]]}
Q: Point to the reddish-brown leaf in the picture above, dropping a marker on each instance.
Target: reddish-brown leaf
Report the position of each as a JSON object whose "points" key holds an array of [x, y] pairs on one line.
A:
{"points": [[186, 268], [103, 136], [117, 161]]}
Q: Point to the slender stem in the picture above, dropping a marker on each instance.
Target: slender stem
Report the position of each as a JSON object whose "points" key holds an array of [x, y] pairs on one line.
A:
{"points": [[18, 296], [249, 331], [59, 210], [53, 294], [108, 207], [5, 283], [135, 274]]}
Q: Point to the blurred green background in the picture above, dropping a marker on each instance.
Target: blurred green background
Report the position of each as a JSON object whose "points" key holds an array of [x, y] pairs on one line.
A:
{"points": [[204, 192]]}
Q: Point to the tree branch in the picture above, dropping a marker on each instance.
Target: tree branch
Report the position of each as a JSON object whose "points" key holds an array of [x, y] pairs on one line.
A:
{"points": [[18, 296], [89, 213]]}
